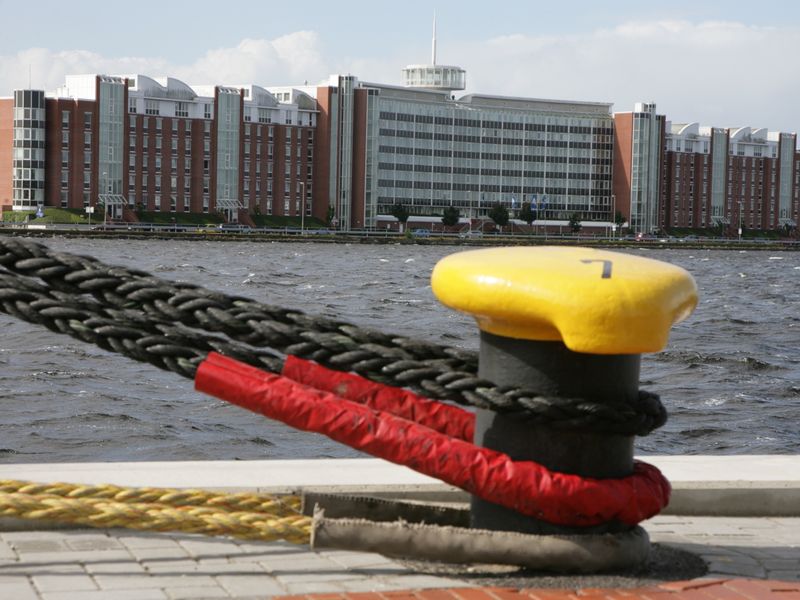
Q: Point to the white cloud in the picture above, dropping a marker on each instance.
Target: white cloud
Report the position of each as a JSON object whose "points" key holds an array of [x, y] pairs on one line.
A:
{"points": [[290, 59], [718, 73]]}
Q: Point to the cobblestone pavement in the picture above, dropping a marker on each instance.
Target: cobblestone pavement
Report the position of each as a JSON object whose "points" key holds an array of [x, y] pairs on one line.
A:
{"points": [[121, 565]]}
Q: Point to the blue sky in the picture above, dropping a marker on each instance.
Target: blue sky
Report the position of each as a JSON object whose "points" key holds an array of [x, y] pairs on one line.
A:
{"points": [[721, 63]]}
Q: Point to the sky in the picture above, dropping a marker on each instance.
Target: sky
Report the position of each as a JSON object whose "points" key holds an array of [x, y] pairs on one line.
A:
{"points": [[723, 63]]}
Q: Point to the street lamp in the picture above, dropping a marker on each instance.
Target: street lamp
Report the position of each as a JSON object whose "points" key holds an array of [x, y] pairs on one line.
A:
{"points": [[303, 207], [105, 208], [740, 220]]}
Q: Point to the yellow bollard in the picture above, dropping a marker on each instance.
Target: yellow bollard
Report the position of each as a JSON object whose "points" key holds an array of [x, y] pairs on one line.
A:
{"points": [[565, 323]]}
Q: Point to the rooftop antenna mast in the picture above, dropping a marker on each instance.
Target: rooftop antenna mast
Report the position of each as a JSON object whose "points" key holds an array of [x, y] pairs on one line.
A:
{"points": [[433, 45], [441, 78]]}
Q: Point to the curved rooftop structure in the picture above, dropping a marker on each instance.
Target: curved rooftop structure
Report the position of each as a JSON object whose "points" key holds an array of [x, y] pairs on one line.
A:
{"points": [[163, 87], [435, 77]]}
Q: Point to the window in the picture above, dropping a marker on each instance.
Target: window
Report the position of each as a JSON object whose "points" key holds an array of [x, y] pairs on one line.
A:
{"points": [[65, 119], [64, 158], [206, 111], [87, 120], [151, 107], [182, 109], [132, 105]]}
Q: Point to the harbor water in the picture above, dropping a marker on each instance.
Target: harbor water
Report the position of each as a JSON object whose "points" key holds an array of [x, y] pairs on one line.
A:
{"points": [[730, 377]]}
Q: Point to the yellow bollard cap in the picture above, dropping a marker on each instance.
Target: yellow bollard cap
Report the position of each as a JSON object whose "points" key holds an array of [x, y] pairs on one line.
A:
{"points": [[595, 301]]}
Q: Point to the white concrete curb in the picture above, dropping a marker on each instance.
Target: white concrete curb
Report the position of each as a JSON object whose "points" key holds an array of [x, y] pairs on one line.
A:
{"points": [[745, 485]]}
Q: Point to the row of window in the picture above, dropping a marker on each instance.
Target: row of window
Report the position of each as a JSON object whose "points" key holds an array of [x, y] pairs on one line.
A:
{"points": [[490, 124]]}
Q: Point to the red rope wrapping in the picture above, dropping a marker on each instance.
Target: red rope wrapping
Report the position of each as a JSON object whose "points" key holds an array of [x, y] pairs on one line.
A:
{"points": [[523, 486], [444, 418]]}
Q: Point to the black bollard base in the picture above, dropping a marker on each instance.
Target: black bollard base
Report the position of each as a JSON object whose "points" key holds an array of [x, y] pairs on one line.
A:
{"points": [[551, 369]]}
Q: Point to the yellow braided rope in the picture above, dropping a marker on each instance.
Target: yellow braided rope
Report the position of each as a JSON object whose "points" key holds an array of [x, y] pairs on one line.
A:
{"points": [[278, 505], [131, 513]]}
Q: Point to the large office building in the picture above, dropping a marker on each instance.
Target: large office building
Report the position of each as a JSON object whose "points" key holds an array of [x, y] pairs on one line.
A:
{"points": [[159, 145], [730, 179], [422, 147]]}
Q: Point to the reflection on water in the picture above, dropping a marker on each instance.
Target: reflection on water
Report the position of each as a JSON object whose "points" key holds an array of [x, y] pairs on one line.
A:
{"points": [[729, 377]]}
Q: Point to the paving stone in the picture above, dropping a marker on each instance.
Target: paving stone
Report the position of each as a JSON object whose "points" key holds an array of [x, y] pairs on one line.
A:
{"points": [[34, 546], [790, 575], [146, 540], [308, 562], [162, 553], [368, 584], [21, 589], [27, 568], [170, 565], [782, 564], [117, 567], [303, 576], [739, 569], [209, 548], [734, 559], [414, 581], [63, 582], [195, 593], [93, 543], [107, 595], [6, 551], [13, 536], [278, 547], [358, 559], [74, 556], [253, 585], [313, 587], [147, 580], [214, 568]]}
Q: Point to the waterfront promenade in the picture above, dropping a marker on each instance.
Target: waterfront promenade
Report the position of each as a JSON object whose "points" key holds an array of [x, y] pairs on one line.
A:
{"points": [[755, 556]]}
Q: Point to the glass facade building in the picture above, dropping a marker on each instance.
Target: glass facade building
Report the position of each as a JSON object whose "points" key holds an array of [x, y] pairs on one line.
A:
{"points": [[433, 151], [28, 157]]}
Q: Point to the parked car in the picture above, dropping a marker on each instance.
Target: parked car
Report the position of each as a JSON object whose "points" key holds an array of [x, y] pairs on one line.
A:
{"points": [[421, 233], [234, 227]]}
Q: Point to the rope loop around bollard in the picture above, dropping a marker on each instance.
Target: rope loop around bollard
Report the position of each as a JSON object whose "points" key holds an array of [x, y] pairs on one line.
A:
{"points": [[170, 325]]}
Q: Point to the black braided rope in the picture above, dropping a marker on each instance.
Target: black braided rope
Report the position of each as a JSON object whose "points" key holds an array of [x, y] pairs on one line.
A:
{"points": [[120, 296], [132, 333]]}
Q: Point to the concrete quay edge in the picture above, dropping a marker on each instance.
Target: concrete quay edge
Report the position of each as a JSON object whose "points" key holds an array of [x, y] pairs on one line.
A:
{"points": [[733, 486]]}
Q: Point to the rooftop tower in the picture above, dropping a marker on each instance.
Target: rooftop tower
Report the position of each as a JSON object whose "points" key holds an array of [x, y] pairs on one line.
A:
{"points": [[435, 77]]}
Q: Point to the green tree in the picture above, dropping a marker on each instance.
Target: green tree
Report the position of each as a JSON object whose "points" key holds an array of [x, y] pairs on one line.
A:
{"points": [[575, 222], [527, 214], [619, 219], [499, 214], [450, 216], [400, 213], [330, 214]]}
